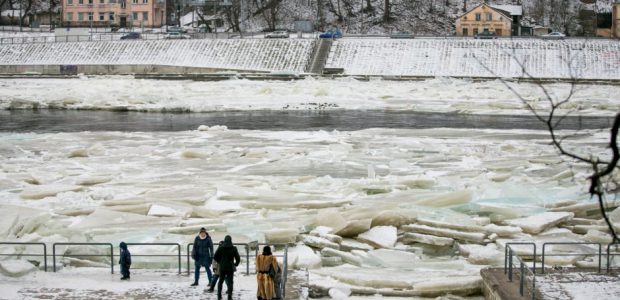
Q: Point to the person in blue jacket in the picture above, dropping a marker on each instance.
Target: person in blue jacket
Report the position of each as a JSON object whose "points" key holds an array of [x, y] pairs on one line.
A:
{"points": [[124, 261], [202, 253]]}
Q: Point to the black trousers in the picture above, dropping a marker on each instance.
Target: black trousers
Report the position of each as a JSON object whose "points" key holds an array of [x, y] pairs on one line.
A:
{"points": [[125, 270], [228, 277]]}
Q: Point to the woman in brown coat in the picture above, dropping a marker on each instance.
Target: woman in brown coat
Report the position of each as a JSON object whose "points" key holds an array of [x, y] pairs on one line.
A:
{"points": [[266, 263]]}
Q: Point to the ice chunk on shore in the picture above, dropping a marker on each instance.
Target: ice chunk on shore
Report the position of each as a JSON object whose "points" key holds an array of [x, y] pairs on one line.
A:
{"points": [[380, 236], [482, 255], [449, 199], [354, 228], [387, 258], [457, 285], [349, 244], [475, 237], [16, 268], [302, 256], [345, 256], [319, 242], [538, 223], [170, 210], [40, 192], [410, 237]]}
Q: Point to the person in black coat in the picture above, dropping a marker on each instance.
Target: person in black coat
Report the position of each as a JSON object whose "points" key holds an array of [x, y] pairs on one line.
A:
{"points": [[202, 253], [124, 261], [228, 259]]}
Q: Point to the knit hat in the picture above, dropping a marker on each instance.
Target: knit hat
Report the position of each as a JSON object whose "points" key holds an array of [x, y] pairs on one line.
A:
{"points": [[203, 230]]}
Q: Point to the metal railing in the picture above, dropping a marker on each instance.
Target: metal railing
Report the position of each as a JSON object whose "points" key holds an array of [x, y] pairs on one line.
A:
{"points": [[523, 269], [84, 255], [571, 254], [284, 256], [29, 254], [178, 255], [609, 255], [247, 257]]}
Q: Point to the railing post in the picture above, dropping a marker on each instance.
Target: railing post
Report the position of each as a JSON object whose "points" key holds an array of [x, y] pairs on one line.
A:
{"points": [[247, 259], [600, 254], [521, 281], [188, 258], [510, 265], [542, 268], [179, 255], [45, 257], [112, 258], [506, 259], [54, 257]]}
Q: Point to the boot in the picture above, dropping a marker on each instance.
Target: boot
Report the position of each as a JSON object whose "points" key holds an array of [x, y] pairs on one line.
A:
{"points": [[219, 296], [195, 283], [229, 297]]}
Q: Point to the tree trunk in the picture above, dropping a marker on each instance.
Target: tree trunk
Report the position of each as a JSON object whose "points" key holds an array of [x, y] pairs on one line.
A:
{"points": [[386, 10]]}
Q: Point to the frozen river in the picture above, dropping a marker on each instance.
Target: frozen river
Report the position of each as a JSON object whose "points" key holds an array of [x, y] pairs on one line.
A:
{"points": [[375, 189], [344, 120]]}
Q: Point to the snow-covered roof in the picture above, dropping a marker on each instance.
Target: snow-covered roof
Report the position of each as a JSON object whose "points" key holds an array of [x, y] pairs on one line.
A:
{"points": [[514, 10], [10, 13]]}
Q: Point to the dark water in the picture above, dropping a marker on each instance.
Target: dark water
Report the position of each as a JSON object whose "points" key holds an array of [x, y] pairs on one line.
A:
{"points": [[344, 120]]}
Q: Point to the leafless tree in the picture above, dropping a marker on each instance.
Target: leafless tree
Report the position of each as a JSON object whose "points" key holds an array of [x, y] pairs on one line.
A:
{"points": [[233, 15], [603, 169]]}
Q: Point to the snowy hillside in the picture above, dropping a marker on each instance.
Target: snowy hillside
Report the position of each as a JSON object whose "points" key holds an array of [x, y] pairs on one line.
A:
{"points": [[247, 54], [419, 17], [466, 57]]}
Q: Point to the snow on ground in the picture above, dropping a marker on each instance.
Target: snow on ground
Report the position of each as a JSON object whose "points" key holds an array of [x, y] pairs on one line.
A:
{"points": [[434, 95], [579, 58], [98, 283], [244, 54], [578, 286]]}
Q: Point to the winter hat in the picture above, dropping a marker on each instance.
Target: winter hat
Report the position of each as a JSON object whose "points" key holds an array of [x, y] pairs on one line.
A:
{"points": [[203, 230]]}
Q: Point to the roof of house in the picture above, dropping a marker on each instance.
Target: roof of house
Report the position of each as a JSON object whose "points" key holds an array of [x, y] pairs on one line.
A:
{"points": [[483, 4], [513, 10]]}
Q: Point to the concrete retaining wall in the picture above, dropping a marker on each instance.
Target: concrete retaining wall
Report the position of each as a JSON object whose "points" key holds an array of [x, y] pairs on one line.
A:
{"points": [[108, 69]]}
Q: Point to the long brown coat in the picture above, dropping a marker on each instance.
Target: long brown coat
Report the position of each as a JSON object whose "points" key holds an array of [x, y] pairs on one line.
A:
{"points": [[265, 283]]}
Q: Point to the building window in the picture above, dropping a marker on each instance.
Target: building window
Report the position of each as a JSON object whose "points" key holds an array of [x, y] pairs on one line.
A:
{"points": [[70, 16], [135, 16], [145, 16], [134, 1], [69, 2], [478, 16], [465, 32], [90, 16], [111, 16], [101, 1], [90, 2], [489, 17], [465, 18], [81, 1], [145, 1], [475, 31], [80, 16], [101, 17]]}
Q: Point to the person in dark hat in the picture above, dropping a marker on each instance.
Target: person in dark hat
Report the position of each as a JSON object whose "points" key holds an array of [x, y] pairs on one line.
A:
{"points": [[124, 261], [228, 259], [202, 254]]}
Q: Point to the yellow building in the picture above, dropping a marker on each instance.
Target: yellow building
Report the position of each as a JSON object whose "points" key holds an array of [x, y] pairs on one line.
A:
{"points": [[484, 18], [615, 19]]}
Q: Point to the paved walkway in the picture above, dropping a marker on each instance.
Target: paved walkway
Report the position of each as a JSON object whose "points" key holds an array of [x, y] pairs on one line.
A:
{"points": [[93, 283]]}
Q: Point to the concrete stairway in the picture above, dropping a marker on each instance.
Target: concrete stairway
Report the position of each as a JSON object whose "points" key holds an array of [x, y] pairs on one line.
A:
{"points": [[320, 56]]}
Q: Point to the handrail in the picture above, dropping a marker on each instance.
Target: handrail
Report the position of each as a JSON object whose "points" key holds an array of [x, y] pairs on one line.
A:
{"points": [[81, 255], [572, 254], [28, 254], [178, 255], [522, 268], [518, 243], [247, 256], [284, 263]]}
